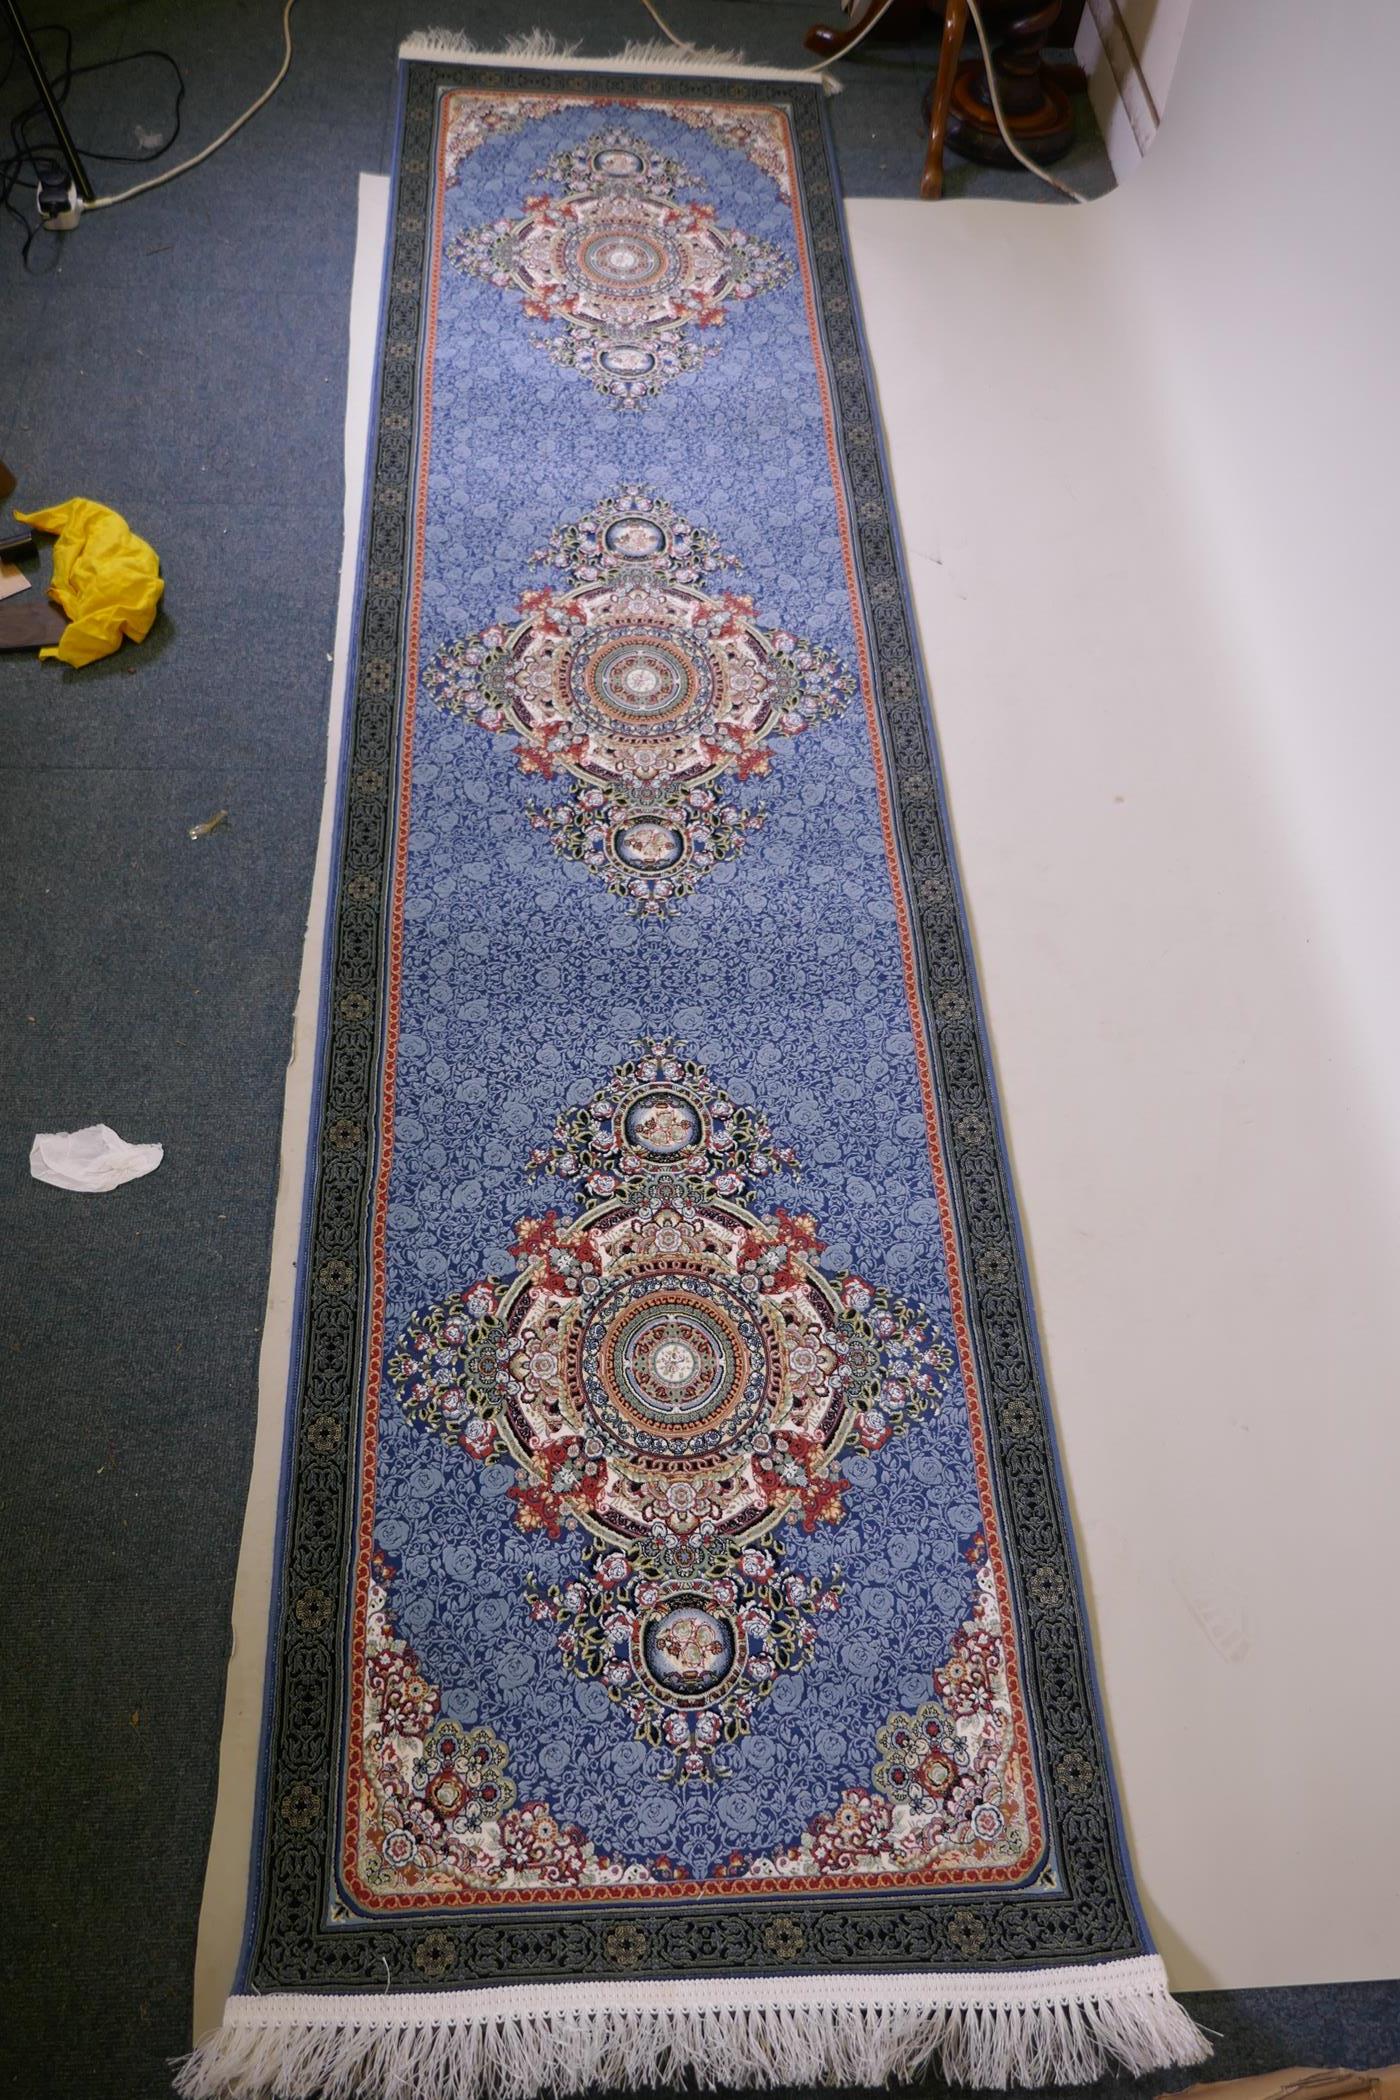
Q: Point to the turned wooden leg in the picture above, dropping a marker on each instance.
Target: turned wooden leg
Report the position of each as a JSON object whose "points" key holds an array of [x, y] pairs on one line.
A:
{"points": [[1038, 111], [954, 26]]}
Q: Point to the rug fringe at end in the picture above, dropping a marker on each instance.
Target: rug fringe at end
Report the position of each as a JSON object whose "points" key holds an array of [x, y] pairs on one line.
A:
{"points": [[539, 47], [1053, 2028]]}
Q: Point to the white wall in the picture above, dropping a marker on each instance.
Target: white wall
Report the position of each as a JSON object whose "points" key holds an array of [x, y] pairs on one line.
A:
{"points": [[1263, 235], [1147, 535]]}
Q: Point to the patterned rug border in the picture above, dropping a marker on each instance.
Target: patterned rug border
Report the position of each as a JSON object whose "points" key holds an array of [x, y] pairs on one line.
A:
{"points": [[1094, 1917]]}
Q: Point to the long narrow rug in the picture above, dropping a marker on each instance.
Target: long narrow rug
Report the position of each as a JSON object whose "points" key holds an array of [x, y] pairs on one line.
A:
{"points": [[678, 1658]]}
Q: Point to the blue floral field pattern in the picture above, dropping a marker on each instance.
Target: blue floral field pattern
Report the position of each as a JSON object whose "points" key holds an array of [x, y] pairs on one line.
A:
{"points": [[583, 1667]]}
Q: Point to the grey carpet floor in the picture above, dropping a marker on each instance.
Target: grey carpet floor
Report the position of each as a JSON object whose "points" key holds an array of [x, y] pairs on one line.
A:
{"points": [[183, 358]]}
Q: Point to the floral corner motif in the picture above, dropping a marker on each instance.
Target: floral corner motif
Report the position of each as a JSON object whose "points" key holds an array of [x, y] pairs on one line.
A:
{"points": [[441, 1816], [760, 135]]}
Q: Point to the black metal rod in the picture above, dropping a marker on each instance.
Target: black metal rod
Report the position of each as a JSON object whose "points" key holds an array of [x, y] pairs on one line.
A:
{"points": [[46, 96]]}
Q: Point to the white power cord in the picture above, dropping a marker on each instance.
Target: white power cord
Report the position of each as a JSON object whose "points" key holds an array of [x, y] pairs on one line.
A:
{"points": [[154, 182], [1075, 196], [821, 65], [877, 14]]}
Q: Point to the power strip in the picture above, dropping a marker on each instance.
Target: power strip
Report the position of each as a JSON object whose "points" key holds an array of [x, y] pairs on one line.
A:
{"points": [[60, 206]]}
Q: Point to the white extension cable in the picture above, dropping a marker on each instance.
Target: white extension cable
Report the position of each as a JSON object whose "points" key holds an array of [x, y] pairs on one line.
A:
{"points": [[877, 14], [153, 182]]}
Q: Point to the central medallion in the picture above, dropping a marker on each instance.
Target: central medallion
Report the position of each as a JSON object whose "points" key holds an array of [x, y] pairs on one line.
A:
{"points": [[631, 272], [674, 1370], [644, 683], [648, 688], [676, 1377], [628, 259], [673, 1362], [663, 1369]]}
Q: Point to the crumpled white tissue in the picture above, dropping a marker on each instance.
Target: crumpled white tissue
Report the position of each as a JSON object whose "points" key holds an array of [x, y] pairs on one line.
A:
{"points": [[90, 1161]]}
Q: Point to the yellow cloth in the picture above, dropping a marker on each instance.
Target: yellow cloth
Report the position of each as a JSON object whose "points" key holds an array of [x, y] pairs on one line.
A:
{"points": [[106, 579]]}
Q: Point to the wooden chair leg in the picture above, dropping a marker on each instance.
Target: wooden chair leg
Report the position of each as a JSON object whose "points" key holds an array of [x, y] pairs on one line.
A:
{"points": [[954, 29]]}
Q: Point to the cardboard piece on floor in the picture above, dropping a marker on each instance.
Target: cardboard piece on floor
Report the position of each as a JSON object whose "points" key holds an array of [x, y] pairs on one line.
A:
{"points": [[1299, 2083], [34, 624]]}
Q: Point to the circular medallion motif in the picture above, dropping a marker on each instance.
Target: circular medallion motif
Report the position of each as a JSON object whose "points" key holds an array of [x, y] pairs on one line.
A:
{"points": [[661, 1123], [622, 263], [624, 258], [636, 539], [633, 690], [674, 1370], [639, 680], [629, 271], [672, 1374], [672, 1364], [649, 846], [689, 1650], [669, 1370], [664, 1374], [645, 688]]}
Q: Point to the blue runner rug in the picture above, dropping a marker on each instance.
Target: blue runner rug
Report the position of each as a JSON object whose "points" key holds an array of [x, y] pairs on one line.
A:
{"points": [[678, 1656]]}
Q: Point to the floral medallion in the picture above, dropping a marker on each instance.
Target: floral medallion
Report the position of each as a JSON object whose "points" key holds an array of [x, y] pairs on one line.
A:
{"points": [[473, 119], [649, 687], [633, 274], [673, 1375]]}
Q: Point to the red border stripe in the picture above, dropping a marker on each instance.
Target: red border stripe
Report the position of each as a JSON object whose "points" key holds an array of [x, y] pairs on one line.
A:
{"points": [[826, 1884]]}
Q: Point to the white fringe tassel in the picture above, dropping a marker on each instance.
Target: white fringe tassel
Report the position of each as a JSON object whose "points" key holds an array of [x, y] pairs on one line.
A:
{"points": [[539, 47], [1052, 2027]]}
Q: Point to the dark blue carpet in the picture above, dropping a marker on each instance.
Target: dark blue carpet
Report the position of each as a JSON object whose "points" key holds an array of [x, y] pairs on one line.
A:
{"points": [[183, 358]]}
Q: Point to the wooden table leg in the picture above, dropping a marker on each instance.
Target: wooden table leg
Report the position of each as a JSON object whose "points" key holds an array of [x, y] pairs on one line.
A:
{"points": [[954, 29], [1037, 109]]}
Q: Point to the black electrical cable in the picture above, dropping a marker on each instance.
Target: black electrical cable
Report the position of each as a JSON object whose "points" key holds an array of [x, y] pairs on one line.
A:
{"points": [[40, 155]]}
